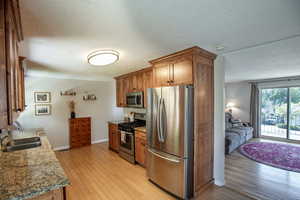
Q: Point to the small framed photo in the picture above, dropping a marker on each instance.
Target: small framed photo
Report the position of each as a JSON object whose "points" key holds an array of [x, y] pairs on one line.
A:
{"points": [[42, 97], [42, 109]]}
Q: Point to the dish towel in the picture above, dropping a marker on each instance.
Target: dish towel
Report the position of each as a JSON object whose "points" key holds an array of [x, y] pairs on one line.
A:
{"points": [[123, 136]]}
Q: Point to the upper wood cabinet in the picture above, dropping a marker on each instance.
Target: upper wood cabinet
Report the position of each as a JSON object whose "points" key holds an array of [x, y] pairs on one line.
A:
{"points": [[134, 82], [148, 83], [162, 74], [182, 71], [11, 70], [176, 70], [119, 93]]}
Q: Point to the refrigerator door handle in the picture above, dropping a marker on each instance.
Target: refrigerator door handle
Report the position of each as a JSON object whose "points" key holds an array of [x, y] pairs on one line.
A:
{"points": [[162, 120], [158, 121], [163, 157]]}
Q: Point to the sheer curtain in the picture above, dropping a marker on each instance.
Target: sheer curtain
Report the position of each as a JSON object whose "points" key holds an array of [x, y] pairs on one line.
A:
{"points": [[254, 110]]}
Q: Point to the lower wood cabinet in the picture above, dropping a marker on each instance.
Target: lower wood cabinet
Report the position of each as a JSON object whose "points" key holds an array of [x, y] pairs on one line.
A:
{"points": [[114, 137], [80, 132], [140, 148]]}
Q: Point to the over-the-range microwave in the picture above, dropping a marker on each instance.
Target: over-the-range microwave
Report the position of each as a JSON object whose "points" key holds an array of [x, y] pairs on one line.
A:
{"points": [[135, 99]]}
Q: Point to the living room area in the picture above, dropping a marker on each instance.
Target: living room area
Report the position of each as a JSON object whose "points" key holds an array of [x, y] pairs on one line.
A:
{"points": [[262, 120]]}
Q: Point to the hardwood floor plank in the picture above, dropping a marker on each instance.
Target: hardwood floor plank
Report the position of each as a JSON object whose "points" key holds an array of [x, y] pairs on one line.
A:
{"points": [[260, 180], [99, 174]]}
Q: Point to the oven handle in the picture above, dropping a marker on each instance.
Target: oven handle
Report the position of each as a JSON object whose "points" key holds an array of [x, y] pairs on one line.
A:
{"points": [[127, 133]]}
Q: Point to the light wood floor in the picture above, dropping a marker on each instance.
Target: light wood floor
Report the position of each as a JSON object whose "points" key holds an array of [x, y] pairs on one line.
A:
{"points": [[259, 180], [97, 174]]}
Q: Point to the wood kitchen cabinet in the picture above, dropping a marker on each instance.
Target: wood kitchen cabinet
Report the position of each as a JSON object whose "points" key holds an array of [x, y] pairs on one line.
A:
{"points": [[190, 66], [147, 83], [136, 82], [11, 70], [140, 148], [119, 93], [194, 66], [133, 82], [113, 137], [176, 70]]}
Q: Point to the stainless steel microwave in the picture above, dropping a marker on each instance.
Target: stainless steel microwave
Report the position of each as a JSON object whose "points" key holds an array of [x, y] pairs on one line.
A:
{"points": [[135, 99]]}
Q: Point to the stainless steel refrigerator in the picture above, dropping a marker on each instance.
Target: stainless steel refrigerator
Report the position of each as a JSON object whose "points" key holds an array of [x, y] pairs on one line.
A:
{"points": [[170, 139]]}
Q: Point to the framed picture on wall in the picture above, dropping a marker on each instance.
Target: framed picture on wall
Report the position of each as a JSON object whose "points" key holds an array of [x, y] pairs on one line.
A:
{"points": [[42, 109], [42, 97]]}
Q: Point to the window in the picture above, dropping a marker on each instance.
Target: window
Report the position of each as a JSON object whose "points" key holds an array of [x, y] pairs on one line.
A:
{"points": [[280, 112]]}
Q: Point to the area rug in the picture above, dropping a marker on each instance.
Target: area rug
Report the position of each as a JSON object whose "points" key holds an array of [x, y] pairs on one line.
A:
{"points": [[278, 155]]}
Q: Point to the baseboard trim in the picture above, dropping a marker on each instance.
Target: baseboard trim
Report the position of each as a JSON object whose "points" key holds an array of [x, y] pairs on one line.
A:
{"points": [[61, 148], [219, 182], [99, 141]]}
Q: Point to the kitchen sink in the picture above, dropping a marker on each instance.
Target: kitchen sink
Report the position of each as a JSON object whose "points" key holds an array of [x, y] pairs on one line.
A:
{"points": [[26, 140], [21, 144]]}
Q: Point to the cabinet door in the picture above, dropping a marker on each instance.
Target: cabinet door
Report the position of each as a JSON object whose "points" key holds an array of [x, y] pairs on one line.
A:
{"points": [[110, 136], [133, 86], [148, 83], [182, 71], [143, 151], [3, 70], [137, 149], [161, 74], [21, 85], [140, 148], [119, 92], [126, 88], [118, 140], [140, 81], [11, 69]]}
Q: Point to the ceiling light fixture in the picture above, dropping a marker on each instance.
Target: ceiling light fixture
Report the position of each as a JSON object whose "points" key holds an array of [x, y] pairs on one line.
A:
{"points": [[103, 57]]}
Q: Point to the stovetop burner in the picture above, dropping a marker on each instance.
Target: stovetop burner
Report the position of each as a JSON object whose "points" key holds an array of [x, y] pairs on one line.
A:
{"points": [[129, 126]]}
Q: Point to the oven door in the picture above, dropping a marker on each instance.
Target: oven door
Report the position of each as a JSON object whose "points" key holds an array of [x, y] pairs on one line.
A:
{"points": [[127, 142], [135, 100]]}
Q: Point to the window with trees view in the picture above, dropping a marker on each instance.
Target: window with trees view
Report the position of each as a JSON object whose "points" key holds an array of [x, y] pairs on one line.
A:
{"points": [[280, 112]]}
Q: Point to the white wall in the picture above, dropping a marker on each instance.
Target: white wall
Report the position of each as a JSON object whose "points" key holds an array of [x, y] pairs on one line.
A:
{"points": [[219, 122], [56, 124], [239, 94]]}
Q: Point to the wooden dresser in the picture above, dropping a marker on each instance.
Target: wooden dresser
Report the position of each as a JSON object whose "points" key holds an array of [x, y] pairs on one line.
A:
{"points": [[80, 132]]}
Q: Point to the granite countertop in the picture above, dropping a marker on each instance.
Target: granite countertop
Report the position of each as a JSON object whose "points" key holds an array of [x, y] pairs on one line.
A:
{"points": [[142, 129], [31, 172]]}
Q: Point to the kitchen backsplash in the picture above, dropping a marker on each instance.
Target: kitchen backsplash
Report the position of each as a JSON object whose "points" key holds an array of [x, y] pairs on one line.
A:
{"points": [[136, 110]]}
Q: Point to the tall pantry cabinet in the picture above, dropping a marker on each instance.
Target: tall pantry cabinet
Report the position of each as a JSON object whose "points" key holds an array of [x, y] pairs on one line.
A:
{"points": [[11, 71]]}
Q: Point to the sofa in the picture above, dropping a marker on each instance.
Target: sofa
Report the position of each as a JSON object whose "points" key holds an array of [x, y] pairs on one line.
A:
{"points": [[236, 133]]}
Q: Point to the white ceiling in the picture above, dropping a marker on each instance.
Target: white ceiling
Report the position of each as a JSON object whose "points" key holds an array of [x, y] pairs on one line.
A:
{"points": [[60, 34]]}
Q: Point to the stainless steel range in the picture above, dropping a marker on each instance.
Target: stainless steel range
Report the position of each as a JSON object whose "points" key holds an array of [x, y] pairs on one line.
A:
{"points": [[127, 142]]}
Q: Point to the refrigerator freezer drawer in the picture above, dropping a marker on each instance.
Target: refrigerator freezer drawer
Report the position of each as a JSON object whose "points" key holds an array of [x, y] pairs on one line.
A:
{"points": [[167, 171]]}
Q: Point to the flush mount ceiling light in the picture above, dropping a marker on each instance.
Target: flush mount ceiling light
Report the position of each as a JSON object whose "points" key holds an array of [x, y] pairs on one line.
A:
{"points": [[103, 57]]}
